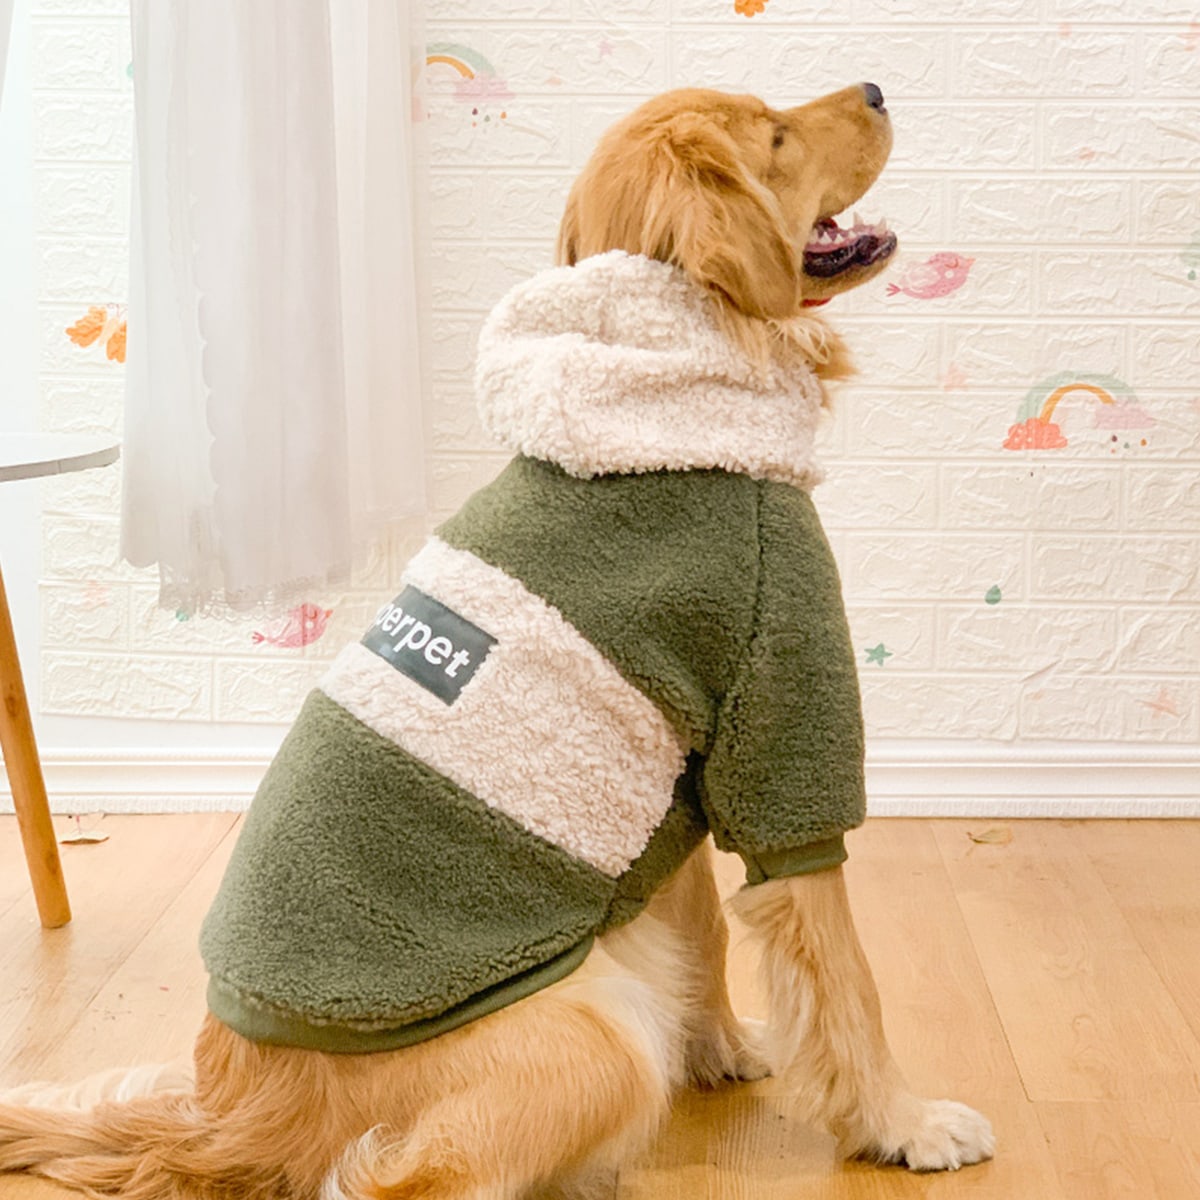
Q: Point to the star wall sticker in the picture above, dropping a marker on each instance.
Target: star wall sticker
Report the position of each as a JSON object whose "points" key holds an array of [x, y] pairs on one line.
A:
{"points": [[1163, 705], [878, 654], [955, 377]]}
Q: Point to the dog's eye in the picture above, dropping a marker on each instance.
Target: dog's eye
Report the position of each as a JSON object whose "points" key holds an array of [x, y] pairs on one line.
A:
{"points": [[777, 141]]}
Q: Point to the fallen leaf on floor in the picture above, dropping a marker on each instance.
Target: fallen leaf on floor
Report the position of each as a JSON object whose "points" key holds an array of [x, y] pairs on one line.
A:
{"points": [[998, 835], [83, 837]]}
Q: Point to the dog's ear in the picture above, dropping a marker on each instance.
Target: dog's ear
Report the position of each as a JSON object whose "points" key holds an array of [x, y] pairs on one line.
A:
{"points": [[719, 224], [678, 192]]}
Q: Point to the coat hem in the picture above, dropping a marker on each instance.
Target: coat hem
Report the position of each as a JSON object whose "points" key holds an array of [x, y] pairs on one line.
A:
{"points": [[259, 1021]]}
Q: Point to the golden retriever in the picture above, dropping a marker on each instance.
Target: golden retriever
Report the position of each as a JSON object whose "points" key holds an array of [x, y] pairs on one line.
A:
{"points": [[553, 1091]]}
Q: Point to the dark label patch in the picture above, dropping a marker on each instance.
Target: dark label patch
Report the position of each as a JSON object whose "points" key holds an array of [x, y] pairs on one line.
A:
{"points": [[429, 643]]}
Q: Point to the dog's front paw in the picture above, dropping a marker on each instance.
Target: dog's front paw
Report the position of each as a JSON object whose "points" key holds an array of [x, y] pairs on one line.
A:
{"points": [[941, 1135], [724, 1053]]}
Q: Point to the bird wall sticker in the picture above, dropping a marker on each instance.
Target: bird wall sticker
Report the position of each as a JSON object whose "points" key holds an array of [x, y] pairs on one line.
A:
{"points": [[941, 274], [302, 626]]}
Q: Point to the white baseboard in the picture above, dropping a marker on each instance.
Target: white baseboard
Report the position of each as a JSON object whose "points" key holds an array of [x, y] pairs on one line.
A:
{"points": [[943, 779], [148, 781], [950, 779]]}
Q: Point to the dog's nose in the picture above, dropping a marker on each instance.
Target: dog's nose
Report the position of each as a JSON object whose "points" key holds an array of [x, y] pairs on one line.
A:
{"points": [[874, 96]]}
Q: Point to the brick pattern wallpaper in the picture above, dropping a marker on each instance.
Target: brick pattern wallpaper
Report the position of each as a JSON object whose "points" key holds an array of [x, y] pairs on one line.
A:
{"points": [[1014, 490]]}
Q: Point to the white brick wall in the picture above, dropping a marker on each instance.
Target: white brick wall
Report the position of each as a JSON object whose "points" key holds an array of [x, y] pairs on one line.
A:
{"points": [[1031, 595]]}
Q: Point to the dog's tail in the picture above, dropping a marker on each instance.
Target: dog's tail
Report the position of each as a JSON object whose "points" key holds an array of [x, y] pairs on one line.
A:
{"points": [[157, 1147]]}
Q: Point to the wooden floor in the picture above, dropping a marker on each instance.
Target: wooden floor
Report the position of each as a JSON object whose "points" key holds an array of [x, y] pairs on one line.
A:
{"points": [[1051, 980]]}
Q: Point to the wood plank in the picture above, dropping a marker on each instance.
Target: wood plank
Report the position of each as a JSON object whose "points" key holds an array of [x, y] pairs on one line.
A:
{"points": [[1022, 1169], [1152, 871], [121, 888], [1055, 919], [15, 887], [941, 1024], [733, 1144], [938, 1011], [150, 1008], [1129, 1151], [1086, 1014], [738, 1144]]}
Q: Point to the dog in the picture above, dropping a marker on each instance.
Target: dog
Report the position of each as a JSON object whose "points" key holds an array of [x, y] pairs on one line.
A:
{"points": [[633, 639]]}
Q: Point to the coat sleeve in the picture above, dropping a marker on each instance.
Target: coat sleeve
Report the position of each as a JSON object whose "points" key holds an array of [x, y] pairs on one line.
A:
{"points": [[783, 780]]}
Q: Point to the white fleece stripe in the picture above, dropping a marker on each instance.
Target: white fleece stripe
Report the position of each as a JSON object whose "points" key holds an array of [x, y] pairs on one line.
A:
{"points": [[547, 731]]}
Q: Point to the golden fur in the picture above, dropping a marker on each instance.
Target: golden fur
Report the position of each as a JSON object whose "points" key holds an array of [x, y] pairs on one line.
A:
{"points": [[729, 189], [554, 1091]]}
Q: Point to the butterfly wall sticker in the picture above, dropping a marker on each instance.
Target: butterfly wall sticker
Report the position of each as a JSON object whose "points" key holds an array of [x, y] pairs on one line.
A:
{"points": [[103, 324]]}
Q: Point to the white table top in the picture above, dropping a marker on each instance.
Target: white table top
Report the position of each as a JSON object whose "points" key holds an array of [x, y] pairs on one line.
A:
{"points": [[28, 455]]}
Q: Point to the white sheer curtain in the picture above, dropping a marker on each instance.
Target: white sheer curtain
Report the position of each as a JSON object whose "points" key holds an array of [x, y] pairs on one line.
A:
{"points": [[273, 411]]}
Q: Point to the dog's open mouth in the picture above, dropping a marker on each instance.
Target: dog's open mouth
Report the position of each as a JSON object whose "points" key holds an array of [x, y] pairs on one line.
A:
{"points": [[830, 249]]}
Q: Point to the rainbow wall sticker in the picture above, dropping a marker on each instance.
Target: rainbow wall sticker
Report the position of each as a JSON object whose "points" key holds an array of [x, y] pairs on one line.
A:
{"points": [[476, 80], [1114, 403]]}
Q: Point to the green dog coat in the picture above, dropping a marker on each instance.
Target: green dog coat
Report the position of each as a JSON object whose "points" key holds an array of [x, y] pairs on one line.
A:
{"points": [[633, 637]]}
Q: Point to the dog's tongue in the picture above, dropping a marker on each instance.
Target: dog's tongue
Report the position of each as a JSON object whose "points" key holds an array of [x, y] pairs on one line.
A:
{"points": [[830, 249]]}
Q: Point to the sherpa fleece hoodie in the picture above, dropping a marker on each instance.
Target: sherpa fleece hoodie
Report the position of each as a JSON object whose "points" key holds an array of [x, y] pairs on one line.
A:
{"points": [[633, 637]]}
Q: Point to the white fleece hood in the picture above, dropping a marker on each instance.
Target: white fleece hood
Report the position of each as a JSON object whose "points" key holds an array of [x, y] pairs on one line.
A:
{"points": [[617, 366]]}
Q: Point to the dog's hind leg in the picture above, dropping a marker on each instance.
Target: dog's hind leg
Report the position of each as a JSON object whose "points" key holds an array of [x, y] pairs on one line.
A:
{"points": [[543, 1091], [827, 1030]]}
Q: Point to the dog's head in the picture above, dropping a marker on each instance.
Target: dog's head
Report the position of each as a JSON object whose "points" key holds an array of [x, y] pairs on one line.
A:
{"points": [[740, 195]]}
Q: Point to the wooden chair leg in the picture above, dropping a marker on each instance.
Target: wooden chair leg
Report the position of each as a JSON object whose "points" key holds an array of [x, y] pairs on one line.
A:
{"points": [[25, 778]]}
